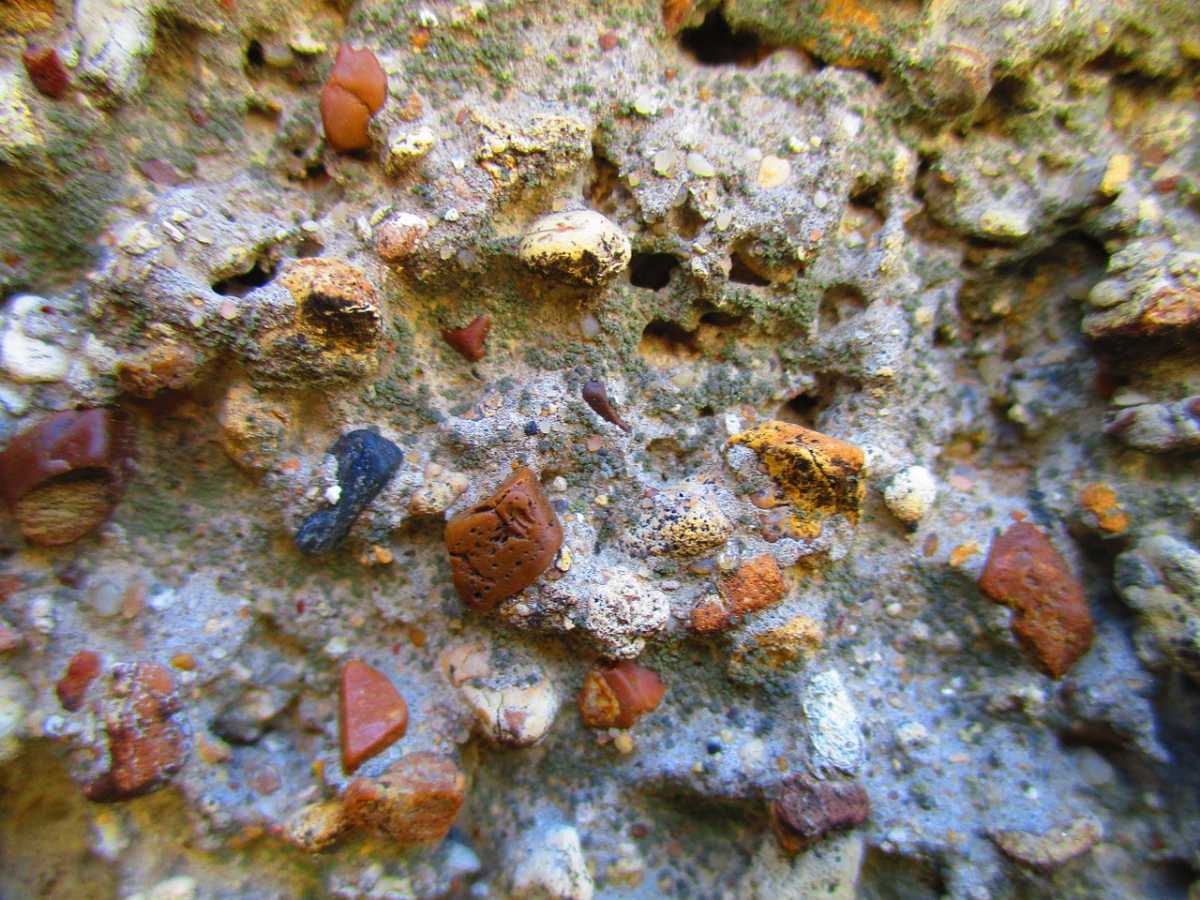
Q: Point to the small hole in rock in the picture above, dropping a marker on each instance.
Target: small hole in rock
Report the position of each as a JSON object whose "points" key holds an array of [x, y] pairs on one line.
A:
{"points": [[841, 302], [240, 285], [663, 343], [806, 407], [741, 272], [652, 270], [309, 247], [714, 43], [254, 55], [721, 319]]}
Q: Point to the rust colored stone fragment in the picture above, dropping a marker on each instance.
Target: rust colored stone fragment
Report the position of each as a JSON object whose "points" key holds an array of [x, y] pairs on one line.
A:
{"points": [[414, 802], [819, 475], [500, 546], [1025, 573], [675, 13], [372, 714], [334, 301], [469, 339], [1101, 501], [806, 810], [46, 71], [63, 477], [168, 366], [616, 697], [595, 394], [148, 742], [355, 91], [756, 584], [81, 672]]}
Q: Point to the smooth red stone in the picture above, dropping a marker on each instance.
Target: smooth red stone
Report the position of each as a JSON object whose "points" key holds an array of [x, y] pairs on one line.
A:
{"points": [[355, 91], [501, 546], [469, 339], [46, 71], [91, 445], [618, 696], [1051, 619], [81, 672], [147, 742], [372, 714]]}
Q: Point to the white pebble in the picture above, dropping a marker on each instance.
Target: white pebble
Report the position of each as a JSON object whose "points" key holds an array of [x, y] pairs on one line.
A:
{"points": [[29, 360], [910, 494]]}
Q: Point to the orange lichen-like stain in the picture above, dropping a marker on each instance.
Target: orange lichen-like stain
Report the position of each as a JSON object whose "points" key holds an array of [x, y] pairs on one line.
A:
{"points": [[355, 91], [962, 553], [1101, 501]]}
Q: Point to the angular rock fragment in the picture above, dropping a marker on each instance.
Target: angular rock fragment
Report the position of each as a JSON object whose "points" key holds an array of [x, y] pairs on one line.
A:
{"points": [[501, 545], [1158, 427], [63, 477], [148, 737], [254, 427], [80, 673], [763, 652], [554, 868], [820, 475], [682, 521], [366, 462], [1051, 620], [355, 91], [581, 248], [618, 696], [414, 802], [1153, 290], [1053, 848], [1159, 577], [46, 71], [595, 394], [513, 700], [371, 714], [835, 736], [469, 339], [806, 810], [315, 827], [169, 365], [756, 584], [533, 151]]}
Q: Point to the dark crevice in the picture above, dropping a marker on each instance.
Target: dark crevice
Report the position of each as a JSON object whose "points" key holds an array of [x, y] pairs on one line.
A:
{"points": [[661, 338], [805, 408], [259, 274], [652, 270], [719, 319], [309, 247], [741, 272], [254, 55], [714, 43]]}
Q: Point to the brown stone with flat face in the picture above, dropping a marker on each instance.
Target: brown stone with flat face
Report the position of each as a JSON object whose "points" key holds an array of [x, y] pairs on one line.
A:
{"points": [[372, 714], [500, 546], [147, 740], [81, 672], [62, 477], [806, 810], [617, 697], [469, 339], [414, 802], [1051, 620]]}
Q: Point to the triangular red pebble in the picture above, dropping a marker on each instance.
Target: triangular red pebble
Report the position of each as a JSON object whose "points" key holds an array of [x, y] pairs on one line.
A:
{"points": [[371, 712]]}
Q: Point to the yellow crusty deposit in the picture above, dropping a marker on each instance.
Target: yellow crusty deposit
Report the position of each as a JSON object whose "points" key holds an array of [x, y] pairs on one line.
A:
{"points": [[820, 475]]}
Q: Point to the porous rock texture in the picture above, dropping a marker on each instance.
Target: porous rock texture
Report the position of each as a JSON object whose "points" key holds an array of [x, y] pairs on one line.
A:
{"points": [[785, 314]]}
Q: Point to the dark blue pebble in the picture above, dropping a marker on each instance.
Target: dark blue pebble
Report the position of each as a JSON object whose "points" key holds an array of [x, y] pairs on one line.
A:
{"points": [[366, 462]]}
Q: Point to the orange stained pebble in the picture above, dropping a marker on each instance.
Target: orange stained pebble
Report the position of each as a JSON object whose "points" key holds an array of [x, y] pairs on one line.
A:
{"points": [[962, 553], [184, 661]]}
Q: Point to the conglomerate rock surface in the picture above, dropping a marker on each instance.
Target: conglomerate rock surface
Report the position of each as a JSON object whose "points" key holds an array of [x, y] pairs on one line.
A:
{"points": [[812, 387]]}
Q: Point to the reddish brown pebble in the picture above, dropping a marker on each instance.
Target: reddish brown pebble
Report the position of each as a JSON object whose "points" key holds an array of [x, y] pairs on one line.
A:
{"points": [[806, 810], [500, 546], [81, 672], [755, 585], [414, 802], [147, 741], [617, 697], [160, 172], [595, 394], [355, 91], [9, 639], [1025, 573], [372, 714], [9, 584], [609, 40], [468, 340], [46, 71], [62, 477]]}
